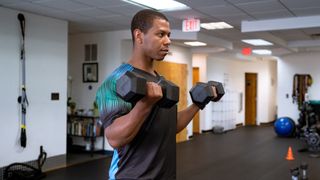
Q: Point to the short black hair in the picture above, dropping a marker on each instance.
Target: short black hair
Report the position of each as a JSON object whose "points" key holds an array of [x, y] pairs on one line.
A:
{"points": [[143, 20]]}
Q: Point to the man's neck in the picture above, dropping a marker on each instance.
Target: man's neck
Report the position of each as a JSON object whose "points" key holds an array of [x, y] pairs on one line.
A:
{"points": [[142, 63]]}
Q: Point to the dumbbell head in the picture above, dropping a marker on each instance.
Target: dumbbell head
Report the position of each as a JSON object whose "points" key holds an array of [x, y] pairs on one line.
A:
{"points": [[131, 87], [201, 94], [170, 94], [219, 89]]}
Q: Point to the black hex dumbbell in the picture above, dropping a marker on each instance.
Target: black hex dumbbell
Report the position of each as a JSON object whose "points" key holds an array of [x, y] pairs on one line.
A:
{"points": [[202, 94], [132, 87], [170, 94]]}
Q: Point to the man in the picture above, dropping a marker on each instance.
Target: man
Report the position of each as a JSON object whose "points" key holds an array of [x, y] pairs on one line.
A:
{"points": [[143, 140]]}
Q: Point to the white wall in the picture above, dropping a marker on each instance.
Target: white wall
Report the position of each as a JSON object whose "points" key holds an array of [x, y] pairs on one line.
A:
{"points": [[200, 61], [299, 63], [46, 72], [218, 65]]}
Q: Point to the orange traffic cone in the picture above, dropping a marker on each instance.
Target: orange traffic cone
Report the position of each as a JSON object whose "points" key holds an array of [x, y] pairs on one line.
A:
{"points": [[289, 154]]}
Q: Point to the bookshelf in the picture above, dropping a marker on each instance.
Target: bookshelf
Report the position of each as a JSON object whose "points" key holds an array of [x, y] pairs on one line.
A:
{"points": [[85, 127]]}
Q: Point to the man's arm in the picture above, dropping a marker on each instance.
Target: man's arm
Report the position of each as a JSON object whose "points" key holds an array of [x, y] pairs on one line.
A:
{"points": [[186, 115], [126, 127]]}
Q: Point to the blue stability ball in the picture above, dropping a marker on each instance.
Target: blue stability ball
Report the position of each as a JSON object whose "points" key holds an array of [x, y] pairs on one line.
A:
{"points": [[284, 126]]}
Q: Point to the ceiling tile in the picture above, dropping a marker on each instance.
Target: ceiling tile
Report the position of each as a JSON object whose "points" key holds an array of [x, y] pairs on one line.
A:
{"points": [[73, 17], [66, 5], [261, 6], [94, 12], [118, 19], [7, 2], [272, 14], [223, 10], [185, 14], [31, 7], [306, 11], [235, 20], [245, 1], [301, 4], [102, 3], [128, 10], [202, 3], [105, 15]]}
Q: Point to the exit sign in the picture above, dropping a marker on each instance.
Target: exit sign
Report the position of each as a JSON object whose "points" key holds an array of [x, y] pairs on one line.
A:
{"points": [[191, 25]]}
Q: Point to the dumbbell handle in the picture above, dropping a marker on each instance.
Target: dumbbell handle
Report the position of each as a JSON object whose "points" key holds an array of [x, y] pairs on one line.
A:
{"points": [[219, 90]]}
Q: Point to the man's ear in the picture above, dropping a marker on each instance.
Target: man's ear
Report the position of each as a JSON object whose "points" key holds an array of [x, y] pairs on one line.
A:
{"points": [[138, 35]]}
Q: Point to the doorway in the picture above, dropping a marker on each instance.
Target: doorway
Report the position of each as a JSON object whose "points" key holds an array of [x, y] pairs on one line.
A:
{"points": [[176, 73], [251, 99]]}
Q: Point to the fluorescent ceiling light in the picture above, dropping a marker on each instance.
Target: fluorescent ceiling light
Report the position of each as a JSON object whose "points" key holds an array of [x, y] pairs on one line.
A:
{"points": [[195, 43], [165, 5], [215, 25], [262, 51], [257, 42]]}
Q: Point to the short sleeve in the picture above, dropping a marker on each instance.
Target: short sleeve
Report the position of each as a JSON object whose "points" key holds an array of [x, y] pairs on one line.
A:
{"points": [[110, 105]]}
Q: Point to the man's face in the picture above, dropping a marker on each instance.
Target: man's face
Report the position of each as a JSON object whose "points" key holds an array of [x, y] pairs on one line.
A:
{"points": [[157, 40]]}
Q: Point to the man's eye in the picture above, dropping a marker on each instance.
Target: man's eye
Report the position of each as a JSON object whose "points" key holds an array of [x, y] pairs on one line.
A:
{"points": [[161, 34]]}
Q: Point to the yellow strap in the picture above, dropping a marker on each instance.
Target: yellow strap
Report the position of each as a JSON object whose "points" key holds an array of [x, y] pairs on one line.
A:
{"points": [[23, 126]]}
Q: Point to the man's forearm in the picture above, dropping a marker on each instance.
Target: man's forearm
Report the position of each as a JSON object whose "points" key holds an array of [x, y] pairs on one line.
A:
{"points": [[185, 116]]}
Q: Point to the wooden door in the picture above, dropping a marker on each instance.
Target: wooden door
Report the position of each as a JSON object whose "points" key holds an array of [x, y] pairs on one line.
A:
{"points": [[196, 122], [176, 73], [251, 98]]}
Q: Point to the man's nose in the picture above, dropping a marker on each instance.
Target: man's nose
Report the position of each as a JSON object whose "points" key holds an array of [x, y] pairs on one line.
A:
{"points": [[167, 41]]}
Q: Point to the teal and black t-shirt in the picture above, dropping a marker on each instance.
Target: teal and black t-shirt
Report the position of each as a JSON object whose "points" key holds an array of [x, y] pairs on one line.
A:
{"points": [[152, 153]]}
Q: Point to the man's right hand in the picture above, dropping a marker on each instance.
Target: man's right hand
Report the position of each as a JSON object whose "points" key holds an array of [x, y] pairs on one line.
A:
{"points": [[153, 94]]}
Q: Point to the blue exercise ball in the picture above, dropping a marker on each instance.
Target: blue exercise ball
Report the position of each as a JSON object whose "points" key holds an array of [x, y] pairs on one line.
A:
{"points": [[284, 126]]}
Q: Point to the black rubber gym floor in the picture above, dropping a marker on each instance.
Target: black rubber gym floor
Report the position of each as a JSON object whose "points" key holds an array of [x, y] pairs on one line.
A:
{"points": [[247, 153]]}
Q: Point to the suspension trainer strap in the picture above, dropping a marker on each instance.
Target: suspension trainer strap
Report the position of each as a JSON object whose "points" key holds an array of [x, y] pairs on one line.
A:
{"points": [[22, 99]]}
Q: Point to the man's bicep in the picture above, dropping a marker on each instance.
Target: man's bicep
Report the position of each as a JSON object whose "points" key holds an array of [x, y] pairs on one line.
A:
{"points": [[113, 110]]}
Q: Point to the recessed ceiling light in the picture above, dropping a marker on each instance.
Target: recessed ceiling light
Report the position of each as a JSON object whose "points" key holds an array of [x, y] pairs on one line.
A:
{"points": [[163, 5], [262, 51], [195, 43], [216, 25], [257, 42]]}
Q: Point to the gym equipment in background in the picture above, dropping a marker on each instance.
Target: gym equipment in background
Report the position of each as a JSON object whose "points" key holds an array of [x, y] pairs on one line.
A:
{"points": [[300, 172], [301, 82], [308, 127], [23, 171], [284, 127], [304, 168], [294, 173], [22, 99]]}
